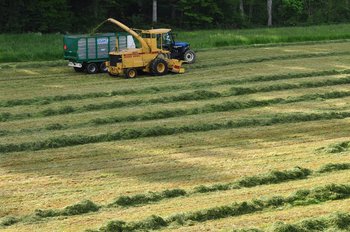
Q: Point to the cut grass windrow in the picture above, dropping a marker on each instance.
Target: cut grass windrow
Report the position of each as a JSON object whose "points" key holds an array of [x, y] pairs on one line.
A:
{"points": [[164, 114], [167, 88], [83, 207], [212, 108], [74, 140], [273, 177], [271, 58], [336, 148], [87, 206], [190, 96], [334, 167], [335, 222], [302, 197]]}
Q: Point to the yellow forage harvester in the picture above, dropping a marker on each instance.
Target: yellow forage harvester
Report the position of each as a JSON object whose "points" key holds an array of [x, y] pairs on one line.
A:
{"points": [[151, 57]]}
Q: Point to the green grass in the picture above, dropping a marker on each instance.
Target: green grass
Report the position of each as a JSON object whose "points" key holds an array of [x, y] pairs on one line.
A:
{"points": [[334, 222], [181, 147], [165, 88], [125, 134], [30, 47], [38, 47], [336, 148], [88, 206], [189, 96], [301, 197], [334, 167], [220, 38], [273, 177]]}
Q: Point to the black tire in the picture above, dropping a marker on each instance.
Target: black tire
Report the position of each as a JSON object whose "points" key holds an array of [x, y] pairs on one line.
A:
{"points": [[91, 68], [103, 68], [189, 57], [77, 69], [130, 73], [159, 67]]}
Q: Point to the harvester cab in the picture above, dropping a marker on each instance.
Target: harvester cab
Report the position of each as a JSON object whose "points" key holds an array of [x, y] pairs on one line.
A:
{"points": [[150, 56]]}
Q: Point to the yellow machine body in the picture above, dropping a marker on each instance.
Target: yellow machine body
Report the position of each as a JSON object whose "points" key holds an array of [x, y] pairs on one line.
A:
{"points": [[150, 57]]}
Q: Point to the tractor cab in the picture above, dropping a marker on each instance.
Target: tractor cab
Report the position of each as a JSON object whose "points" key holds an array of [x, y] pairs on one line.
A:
{"points": [[178, 50]]}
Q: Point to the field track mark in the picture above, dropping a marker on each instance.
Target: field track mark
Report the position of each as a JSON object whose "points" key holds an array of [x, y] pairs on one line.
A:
{"points": [[166, 88], [190, 96], [302, 197], [125, 134], [272, 58], [227, 106], [273, 177]]}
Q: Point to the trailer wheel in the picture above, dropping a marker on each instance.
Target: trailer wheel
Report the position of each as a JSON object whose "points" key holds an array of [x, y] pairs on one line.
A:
{"points": [[91, 68], [190, 56], [103, 67], [159, 67], [130, 73]]}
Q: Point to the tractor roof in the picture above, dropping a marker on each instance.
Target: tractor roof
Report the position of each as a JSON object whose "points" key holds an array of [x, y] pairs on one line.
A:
{"points": [[156, 31]]}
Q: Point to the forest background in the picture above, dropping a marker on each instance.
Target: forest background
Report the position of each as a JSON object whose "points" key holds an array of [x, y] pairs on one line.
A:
{"points": [[73, 16]]}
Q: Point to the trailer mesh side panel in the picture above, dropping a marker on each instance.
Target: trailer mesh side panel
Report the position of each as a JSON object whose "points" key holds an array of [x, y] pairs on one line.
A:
{"points": [[91, 48], [112, 44], [102, 47], [123, 42], [82, 48]]}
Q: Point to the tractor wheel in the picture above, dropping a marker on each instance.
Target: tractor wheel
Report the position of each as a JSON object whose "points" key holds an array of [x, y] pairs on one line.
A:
{"points": [[77, 69], [130, 73], [159, 67], [190, 56], [103, 67], [91, 68]]}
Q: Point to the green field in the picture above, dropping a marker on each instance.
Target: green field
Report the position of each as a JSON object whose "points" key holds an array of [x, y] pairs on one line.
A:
{"points": [[248, 137], [43, 47]]}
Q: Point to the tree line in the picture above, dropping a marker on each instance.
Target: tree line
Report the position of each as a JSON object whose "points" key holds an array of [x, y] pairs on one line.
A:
{"points": [[50, 16]]}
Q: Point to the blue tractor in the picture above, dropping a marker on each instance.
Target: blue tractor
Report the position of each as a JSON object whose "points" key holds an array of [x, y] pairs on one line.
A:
{"points": [[178, 50]]}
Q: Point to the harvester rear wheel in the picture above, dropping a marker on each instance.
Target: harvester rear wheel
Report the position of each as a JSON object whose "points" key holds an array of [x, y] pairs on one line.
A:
{"points": [[91, 68], [130, 73], [159, 67]]}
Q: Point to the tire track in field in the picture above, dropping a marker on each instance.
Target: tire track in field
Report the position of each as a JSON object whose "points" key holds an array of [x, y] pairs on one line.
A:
{"points": [[273, 177], [166, 88], [227, 106], [272, 58], [156, 131], [190, 96], [317, 195]]}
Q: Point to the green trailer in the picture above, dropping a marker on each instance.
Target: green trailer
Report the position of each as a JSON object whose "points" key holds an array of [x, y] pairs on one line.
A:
{"points": [[90, 52]]}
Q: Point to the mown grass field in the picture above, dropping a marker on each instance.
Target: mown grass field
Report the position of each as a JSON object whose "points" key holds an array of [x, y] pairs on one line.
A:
{"points": [[245, 138]]}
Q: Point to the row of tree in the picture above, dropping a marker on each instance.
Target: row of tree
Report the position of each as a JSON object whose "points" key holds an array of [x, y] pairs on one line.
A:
{"points": [[83, 15]]}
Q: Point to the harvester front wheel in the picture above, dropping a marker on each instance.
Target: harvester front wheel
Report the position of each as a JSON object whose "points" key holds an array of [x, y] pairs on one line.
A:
{"points": [[130, 73], [103, 67], [91, 68], [190, 57], [159, 67]]}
